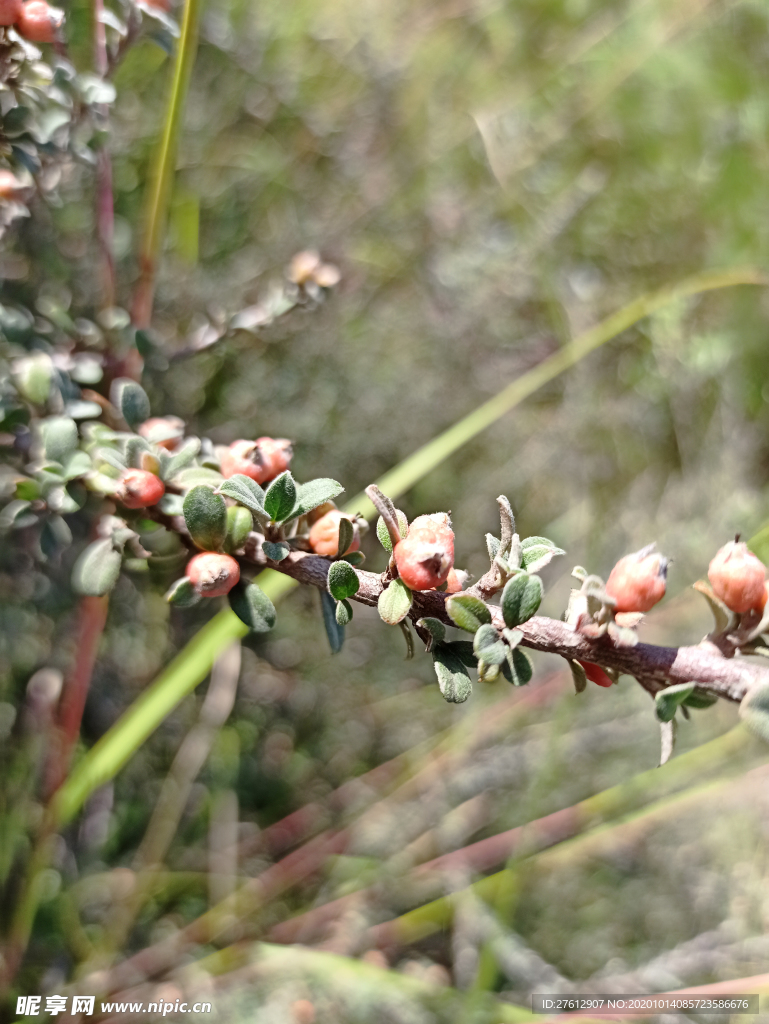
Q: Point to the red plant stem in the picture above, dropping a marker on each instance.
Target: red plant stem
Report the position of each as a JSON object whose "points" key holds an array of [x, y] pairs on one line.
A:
{"points": [[92, 617]]}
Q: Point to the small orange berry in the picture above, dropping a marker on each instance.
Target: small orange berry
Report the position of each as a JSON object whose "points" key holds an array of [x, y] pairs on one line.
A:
{"points": [[39, 22], [262, 460], [324, 533], [164, 431], [737, 577], [426, 556], [138, 488], [213, 574], [453, 582], [637, 582]]}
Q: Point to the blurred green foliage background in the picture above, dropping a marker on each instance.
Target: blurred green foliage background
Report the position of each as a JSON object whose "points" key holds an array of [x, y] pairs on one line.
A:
{"points": [[491, 178]]}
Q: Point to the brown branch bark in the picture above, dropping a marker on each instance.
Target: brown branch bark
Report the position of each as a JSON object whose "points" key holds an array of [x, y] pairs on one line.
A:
{"points": [[654, 667]]}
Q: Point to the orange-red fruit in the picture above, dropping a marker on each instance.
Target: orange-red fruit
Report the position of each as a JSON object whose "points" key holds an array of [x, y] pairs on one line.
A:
{"points": [[737, 577], [9, 183], [9, 11], [324, 534], [426, 556], [596, 674], [262, 460], [169, 429], [637, 582], [39, 22], [137, 488], [453, 582], [213, 574]]}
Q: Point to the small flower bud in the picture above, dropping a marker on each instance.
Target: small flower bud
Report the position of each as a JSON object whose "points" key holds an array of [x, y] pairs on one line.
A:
{"points": [[426, 556], [324, 534], [138, 488], [262, 460], [637, 582], [596, 674], [9, 14], [39, 22], [737, 577], [164, 431], [302, 267], [213, 574]]}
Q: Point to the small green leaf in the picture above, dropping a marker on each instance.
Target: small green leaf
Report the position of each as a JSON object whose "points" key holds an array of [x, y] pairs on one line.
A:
{"points": [[513, 636], [134, 447], [488, 646], [195, 475], [276, 552], [343, 580], [59, 437], [33, 376], [182, 593], [111, 457], [205, 514], [343, 613], [239, 525], [172, 463], [246, 491], [334, 631], [16, 515], [666, 701], [394, 603], [346, 534], [492, 545], [355, 557], [171, 504], [280, 498], [467, 612], [434, 627], [463, 649], [97, 569], [314, 493], [578, 674], [383, 534], [252, 607], [521, 598], [131, 399], [517, 668], [700, 699], [77, 464], [754, 711], [537, 552], [453, 678]]}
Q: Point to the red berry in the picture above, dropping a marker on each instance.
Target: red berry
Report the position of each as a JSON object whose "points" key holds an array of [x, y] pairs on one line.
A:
{"points": [[637, 581], [596, 674], [9, 183], [164, 431], [262, 460], [213, 574], [9, 11], [737, 577], [324, 534], [39, 22], [453, 582], [426, 556], [137, 488]]}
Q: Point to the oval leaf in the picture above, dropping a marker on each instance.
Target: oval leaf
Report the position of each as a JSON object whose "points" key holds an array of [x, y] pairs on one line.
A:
{"points": [[131, 399], [346, 534], [276, 552], [59, 437], [205, 514], [343, 613], [521, 598], [314, 493], [280, 498], [334, 631], [342, 581], [453, 678], [239, 525], [467, 612], [666, 701], [517, 667], [183, 593], [96, 571], [394, 603], [383, 533], [434, 627], [537, 552], [173, 463], [252, 607], [488, 646], [245, 491]]}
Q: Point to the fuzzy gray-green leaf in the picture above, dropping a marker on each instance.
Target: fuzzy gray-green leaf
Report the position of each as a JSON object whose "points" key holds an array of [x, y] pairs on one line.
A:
{"points": [[521, 598], [343, 580], [394, 603], [383, 534], [314, 493], [343, 613], [488, 646], [434, 627], [205, 514], [182, 593], [239, 525], [59, 437], [97, 569], [245, 491], [453, 677], [253, 607], [467, 612], [334, 631], [132, 401], [537, 552], [276, 552], [280, 497]]}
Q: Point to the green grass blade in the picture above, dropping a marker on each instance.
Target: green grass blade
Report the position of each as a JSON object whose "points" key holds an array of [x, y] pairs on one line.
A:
{"points": [[164, 166], [193, 663]]}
